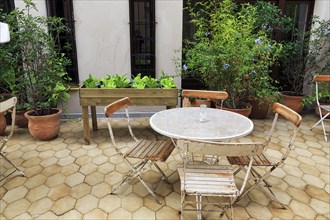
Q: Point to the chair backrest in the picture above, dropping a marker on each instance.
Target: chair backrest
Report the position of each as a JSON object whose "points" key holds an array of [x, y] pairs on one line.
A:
{"points": [[292, 117], [114, 107], [188, 147], [320, 79], [220, 148], [10, 104], [204, 94]]}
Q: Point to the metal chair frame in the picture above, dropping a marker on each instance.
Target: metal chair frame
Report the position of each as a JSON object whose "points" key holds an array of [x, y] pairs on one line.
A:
{"points": [[262, 160], [146, 150], [202, 180], [321, 79], [9, 104]]}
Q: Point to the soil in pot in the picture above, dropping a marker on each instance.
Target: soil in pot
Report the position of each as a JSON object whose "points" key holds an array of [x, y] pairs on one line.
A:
{"points": [[44, 127]]}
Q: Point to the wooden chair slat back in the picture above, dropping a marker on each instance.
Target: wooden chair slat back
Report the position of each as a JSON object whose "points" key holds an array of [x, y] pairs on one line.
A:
{"points": [[220, 148], [287, 113], [116, 106], [186, 93], [321, 78]]}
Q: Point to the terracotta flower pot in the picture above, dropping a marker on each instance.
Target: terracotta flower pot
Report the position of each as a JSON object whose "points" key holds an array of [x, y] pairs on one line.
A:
{"points": [[259, 111], [291, 101], [20, 120], [2, 123], [243, 111], [45, 127]]}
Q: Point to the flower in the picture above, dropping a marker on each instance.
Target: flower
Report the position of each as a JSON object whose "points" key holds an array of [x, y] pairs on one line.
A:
{"points": [[207, 34], [226, 66], [258, 41], [185, 68]]}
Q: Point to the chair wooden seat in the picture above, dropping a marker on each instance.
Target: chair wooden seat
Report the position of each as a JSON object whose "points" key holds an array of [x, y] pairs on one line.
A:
{"points": [[146, 151], [215, 180], [9, 104], [259, 160], [206, 180], [151, 150]]}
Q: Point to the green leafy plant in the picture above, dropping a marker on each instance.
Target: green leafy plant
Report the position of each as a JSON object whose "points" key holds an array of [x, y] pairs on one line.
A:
{"points": [[139, 82], [167, 81], [38, 66], [229, 51], [305, 55]]}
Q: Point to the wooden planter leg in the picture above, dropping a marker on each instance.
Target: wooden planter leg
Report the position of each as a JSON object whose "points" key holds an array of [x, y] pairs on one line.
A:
{"points": [[87, 135]]}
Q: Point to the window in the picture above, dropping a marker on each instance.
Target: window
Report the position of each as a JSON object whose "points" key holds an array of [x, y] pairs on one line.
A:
{"points": [[7, 5], [64, 9], [142, 37]]}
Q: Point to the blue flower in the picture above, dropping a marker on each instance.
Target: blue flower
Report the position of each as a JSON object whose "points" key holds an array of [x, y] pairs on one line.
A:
{"points": [[207, 34], [185, 67], [257, 41], [226, 66]]}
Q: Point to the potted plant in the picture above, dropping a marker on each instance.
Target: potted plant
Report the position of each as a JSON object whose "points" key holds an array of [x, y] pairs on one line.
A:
{"points": [[228, 51], [39, 68], [302, 58]]}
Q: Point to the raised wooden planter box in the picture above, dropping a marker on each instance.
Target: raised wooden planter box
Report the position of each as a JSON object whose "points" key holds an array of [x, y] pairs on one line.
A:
{"points": [[141, 97]]}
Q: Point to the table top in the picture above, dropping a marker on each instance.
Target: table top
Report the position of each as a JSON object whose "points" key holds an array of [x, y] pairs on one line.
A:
{"points": [[184, 123]]}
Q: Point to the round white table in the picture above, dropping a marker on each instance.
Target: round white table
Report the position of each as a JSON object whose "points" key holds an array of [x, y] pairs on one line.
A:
{"points": [[184, 123]]}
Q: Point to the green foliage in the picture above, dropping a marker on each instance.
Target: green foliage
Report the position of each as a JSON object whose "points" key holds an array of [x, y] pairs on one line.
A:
{"points": [[306, 55], [91, 82], [139, 82], [31, 59], [230, 50], [167, 81], [144, 82]]}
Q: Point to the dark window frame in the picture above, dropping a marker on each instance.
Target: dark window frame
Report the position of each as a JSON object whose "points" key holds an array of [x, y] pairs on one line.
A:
{"points": [[64, 9], [142, 37]]}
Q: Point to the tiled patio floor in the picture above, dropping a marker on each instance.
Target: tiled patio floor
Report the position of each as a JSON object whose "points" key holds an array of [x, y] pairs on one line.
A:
{"points": [[66, 179]]}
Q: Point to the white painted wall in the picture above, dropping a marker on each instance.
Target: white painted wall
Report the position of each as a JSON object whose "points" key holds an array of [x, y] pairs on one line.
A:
{"points": [[103, 43], [322, 9]]}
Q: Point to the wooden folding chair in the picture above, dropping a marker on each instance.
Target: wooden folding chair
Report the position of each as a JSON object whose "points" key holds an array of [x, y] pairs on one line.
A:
{"points": [[322, 79], [9, 104], [262, 160], [145, 151], [203, 94], [202, 180]]}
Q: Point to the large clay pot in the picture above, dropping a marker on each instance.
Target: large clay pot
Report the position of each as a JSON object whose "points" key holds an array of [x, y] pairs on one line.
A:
{"points": [[20, 120], [293, 102], [259, 110], [243, 111], [44, 127], [2, 123]]}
